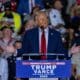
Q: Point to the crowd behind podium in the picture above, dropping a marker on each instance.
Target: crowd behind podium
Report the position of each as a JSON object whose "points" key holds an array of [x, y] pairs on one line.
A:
{"points": [[19, 16]]}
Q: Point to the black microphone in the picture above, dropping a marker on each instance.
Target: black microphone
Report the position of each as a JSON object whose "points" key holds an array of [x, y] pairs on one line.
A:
{"points": [[42, 27]]}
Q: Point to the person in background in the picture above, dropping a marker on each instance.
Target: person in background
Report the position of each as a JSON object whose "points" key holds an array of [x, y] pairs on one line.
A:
{"points": [[74, 29], [55, 13], [35, 10], [57, 21], [8, 40], [31, 17], [29, 24], [18, 44], [10, 18], [65, 5], [25, 6], [72, 10], [3, 67], [76, 21], [1, 4], [75, 52], [47, 4], [14, 4]]}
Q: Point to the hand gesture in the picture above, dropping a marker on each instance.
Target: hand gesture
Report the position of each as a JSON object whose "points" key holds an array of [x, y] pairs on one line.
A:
{"points": [[10, 49]]}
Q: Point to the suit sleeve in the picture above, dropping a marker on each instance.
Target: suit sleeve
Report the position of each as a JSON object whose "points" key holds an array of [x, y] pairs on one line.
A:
{"points": [[60, 47], [25, 45]]}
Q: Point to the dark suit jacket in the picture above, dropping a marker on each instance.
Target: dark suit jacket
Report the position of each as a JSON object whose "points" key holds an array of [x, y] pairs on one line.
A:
{"points": [[30, 43]]}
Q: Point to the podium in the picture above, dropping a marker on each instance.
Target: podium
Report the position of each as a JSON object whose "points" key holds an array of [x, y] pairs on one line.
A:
{"points": [[43, 68]]}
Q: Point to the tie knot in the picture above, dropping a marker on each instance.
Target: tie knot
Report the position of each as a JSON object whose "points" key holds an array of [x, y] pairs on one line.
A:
{"points": [[43, 30]]}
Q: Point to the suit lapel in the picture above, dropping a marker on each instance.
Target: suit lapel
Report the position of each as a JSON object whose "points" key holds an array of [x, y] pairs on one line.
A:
{"points": [[50, 41], [36, 46]]}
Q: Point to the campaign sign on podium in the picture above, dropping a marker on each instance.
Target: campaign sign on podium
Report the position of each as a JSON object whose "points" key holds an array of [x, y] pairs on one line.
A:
{"points": [[43, 68]]}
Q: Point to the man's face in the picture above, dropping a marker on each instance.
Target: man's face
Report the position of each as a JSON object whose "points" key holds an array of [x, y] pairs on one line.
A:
{"points": [[42, 20], [29, 25], [58, 5], [7, 32]]}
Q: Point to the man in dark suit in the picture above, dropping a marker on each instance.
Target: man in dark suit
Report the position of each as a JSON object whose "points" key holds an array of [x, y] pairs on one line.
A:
{"points": [[34, 41], [41, 40]]}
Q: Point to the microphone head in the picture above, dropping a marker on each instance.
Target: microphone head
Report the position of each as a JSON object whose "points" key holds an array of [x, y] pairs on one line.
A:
{"points": [[42, 28]]}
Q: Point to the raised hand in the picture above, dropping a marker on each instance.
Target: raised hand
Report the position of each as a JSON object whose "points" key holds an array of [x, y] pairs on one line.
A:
{"points": [[10, 49]]}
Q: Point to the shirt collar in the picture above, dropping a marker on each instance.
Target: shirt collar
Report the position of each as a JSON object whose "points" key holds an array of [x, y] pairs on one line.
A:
{"points": [[46, 29]]}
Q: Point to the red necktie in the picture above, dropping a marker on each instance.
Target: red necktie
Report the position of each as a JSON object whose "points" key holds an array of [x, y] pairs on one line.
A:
{"points": [[43, 46]]}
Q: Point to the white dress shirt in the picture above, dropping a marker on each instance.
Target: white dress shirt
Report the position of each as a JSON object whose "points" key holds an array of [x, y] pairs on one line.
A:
{"points": [[3, 69], [55, 17]]}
